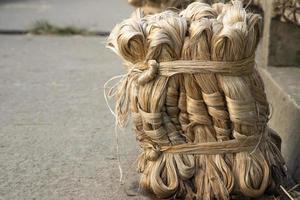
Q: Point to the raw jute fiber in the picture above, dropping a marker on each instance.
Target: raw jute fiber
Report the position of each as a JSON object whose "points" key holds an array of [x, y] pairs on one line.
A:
{"points": [[155, 6], [197, 102]]}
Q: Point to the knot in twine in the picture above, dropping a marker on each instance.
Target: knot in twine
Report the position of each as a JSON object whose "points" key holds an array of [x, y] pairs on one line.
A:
{"points": [[152, 152], [126, 86], [122, 90], [149, 74]]}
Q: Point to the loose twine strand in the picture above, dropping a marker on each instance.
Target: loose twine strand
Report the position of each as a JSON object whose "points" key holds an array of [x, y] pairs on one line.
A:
{"points": [[106, 96], [193, 93]]}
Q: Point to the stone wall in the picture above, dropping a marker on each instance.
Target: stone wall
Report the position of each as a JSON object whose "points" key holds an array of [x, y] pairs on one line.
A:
{"points": [[280, 47]]}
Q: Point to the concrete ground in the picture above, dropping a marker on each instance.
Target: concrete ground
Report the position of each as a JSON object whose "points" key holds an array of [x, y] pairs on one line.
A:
{"points": [[57, 136], [100, 15]]}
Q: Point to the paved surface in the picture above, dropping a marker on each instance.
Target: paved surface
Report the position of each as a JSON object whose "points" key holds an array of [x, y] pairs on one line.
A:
{"points": [[100, 15], [57, 136]]}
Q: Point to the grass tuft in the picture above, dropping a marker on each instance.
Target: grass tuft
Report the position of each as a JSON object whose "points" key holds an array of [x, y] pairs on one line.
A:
{"points": [[43, 27]]}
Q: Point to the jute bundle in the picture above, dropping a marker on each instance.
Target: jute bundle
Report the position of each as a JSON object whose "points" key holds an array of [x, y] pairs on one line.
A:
{"points": [[155, 6], [197, 102], [288, 11]]}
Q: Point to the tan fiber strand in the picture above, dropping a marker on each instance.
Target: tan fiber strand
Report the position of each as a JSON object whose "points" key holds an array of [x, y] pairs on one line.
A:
{"points": [[197, 102], [245, 66], [229, 146]]}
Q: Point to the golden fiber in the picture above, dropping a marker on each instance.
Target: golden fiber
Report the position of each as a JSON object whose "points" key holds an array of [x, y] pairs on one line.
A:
{"points": [[197, 102]]}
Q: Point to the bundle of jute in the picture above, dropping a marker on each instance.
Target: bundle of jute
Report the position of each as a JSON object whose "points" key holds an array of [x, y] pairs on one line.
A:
{"points": [[287, 11], [155, 6], [197, 102]]}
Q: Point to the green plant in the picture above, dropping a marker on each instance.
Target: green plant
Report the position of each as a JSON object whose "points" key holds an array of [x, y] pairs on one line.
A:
{"points": [[43, 27]]}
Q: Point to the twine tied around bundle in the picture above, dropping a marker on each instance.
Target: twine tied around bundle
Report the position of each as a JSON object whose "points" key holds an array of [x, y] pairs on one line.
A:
{"points": [[142, 73]]}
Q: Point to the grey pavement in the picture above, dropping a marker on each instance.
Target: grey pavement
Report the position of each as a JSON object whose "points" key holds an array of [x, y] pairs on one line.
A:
{"points": [[56, 133], [99, 15]]}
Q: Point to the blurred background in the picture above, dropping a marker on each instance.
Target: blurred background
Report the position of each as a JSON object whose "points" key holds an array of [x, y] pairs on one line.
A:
{"points": [[57, 137]]}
